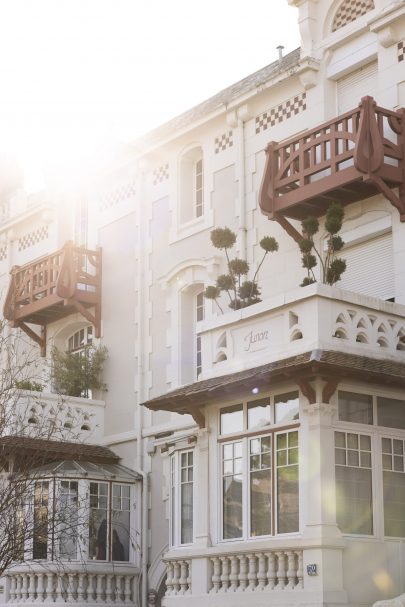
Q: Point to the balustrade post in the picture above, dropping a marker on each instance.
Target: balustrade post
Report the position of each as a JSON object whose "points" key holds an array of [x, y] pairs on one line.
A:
{"points": [[40, 588], [225, 574], [12, 588], [127, 589], [216, 575], [70, 588], [233, 578], [261, 574], [108, 589], [48, 587], [169, 578], [300, 570], [281, 572], [252, 575], [243, 573], [176, 577], [271, 571], [291, 570], [18, 590], [99, 587], [59, 588], [24, 589], [183, 577], [80, 588], [118, 591]]}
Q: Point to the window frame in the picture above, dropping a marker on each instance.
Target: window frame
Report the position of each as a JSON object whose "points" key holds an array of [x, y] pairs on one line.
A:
{"points": [[377, 433], [245, 435], [175, 520]]}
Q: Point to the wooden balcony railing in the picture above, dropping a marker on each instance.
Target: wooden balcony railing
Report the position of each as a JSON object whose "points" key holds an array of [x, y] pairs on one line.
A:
{"points": [[352, 157], [54, 286]]}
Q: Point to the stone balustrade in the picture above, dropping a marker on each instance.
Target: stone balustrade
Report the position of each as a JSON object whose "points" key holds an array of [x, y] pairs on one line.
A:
{"points": [[178, 579], [83, 584], [241, 572], [278, 569]]}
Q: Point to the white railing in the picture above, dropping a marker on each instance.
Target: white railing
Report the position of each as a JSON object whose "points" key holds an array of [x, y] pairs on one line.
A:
{"points": [[313, 317], [77, 585], [240, 572], [178, 579]]}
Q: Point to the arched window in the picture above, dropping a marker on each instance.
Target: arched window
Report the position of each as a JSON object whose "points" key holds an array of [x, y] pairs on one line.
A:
{"points": [[80, 339], [192, 185]]}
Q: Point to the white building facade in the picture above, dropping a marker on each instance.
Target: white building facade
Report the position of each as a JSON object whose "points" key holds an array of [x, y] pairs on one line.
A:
{"points": [[266, 445]]}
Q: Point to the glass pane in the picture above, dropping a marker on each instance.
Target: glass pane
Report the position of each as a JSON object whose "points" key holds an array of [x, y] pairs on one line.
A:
{"points": [[293, 456], [255, 445], [398, 447], [98, 535], [353, 441], [340, 439], [281, 458], [255, 462], [286, 407], [293, 439], [365, 459], [186, 514], [68, 518], [352, 458], [258, 413], [266, 460], [387, 445], [232, 419], [354, 500], [281, 441], [232, 507], [40, 535], [340, 457], [356, 408], [365, 442], [260, 503], [120, 535], [394, 504], [227, 451], [287, 499], [398, 463], [387, 462], [391, 413]]}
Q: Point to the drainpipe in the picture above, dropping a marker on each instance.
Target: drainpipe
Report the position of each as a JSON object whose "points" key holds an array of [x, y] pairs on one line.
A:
{"points": [[237, 119], [141, 385]]}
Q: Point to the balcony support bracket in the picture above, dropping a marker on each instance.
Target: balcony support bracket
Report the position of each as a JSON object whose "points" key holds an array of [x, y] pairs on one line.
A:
{"points": [[39, 339], [398, 201], [93, 318], [307, 390], [288, 227], [198, 416], [329, 389]]}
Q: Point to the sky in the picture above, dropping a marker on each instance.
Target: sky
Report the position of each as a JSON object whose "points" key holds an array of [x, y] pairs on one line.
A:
{"points": [[79, 74]]}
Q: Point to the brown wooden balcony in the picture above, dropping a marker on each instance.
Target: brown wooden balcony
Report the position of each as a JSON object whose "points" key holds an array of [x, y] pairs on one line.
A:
{"points": [[53, 287], [350, 158]]}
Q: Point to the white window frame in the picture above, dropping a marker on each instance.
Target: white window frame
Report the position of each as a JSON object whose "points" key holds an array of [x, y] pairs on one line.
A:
{"points": [[377, 433], [175, 523], [244, 436]]}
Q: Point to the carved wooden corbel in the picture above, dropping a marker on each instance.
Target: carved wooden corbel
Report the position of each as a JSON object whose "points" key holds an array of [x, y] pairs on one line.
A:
{"points": [[329, 389], [307, 390]]}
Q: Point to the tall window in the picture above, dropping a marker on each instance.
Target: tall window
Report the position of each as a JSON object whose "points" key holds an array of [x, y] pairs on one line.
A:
{"points": [[181, 497], [199, 309], [120, 524], [68, 500], [259, 471], [40, 536], [191, 185], [98, 521]]}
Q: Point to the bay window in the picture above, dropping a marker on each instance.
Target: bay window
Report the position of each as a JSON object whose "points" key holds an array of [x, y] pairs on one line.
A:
{"points": [[259, 470]]}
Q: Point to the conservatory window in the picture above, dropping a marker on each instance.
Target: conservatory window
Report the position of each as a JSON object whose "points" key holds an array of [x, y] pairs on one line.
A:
{"points": [[181, 497], [120, 522], [98, 521], [68, 500], [354, 510], [40, 535]]}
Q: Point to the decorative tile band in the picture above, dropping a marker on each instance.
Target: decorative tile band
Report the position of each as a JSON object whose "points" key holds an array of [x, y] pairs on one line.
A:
{"points": [[223, 142], [349, 11], [116, 196], [32, 238], [3, 253], [161, 174], [401, 51], [281, 112]]}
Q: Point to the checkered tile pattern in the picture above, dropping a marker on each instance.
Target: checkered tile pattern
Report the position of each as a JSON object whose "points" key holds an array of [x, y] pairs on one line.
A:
{"points": [[34, 237], [349, 11], [281, 112], [161, 174], [116, 196], [401, 51], [223, 142], [3, 253]]}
